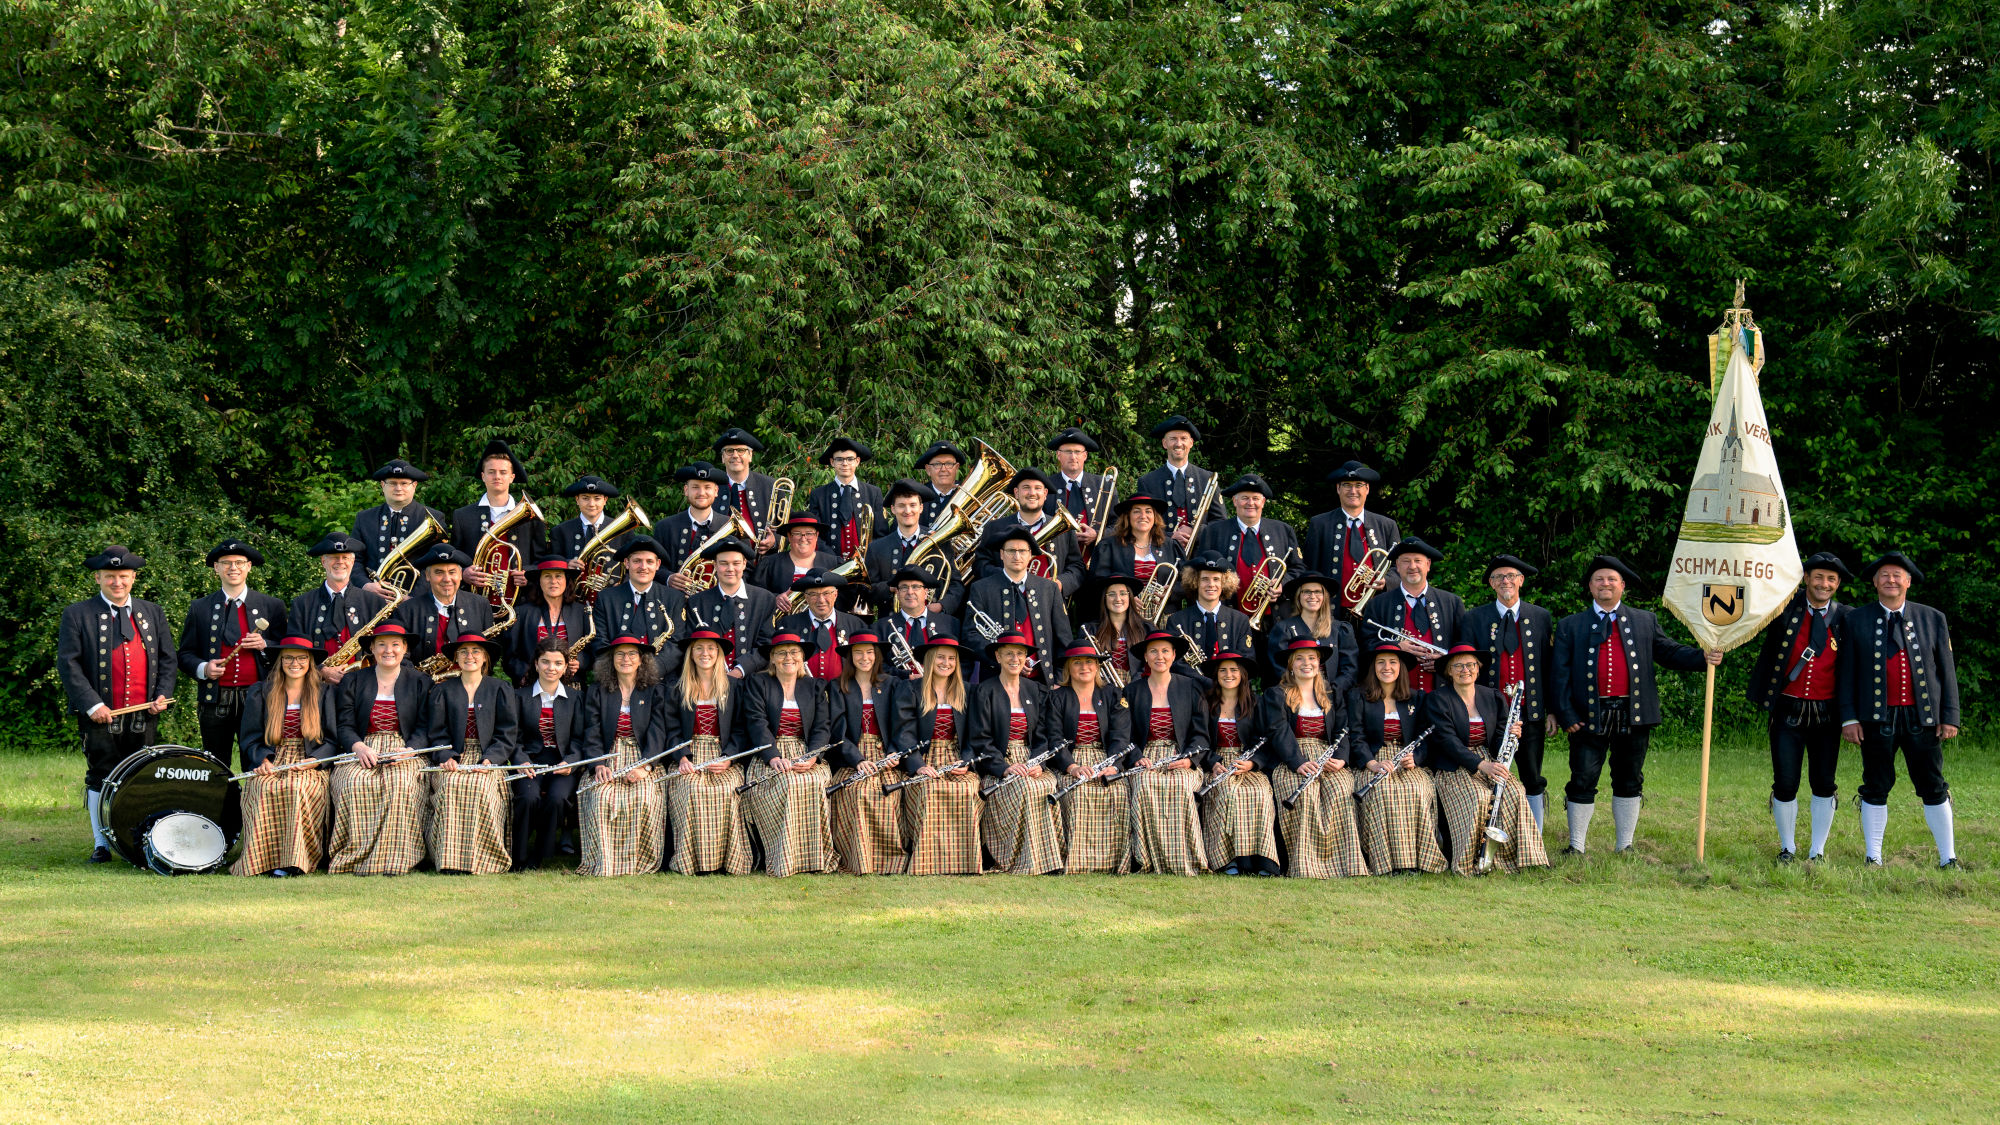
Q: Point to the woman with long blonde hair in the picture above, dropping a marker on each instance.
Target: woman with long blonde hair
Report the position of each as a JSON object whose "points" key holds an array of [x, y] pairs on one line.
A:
{"points": [[1303, 719], [289, 720], [703, 811], [941, 811]]}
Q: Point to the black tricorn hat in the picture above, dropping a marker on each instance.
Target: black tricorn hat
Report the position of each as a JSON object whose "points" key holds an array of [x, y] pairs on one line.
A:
{"points": [[596, 486], [699, 470], [844, 444], [1176, 422], [1827, 560], [337, 543], [1355, 470], [442, 554], [1611, 562], [114, 557], [1498, 562], [1073, 436], [399, 468], [736, 435], [1891, 558], [1410, 544], [498, 448], [230, 547], [1249, 482]]}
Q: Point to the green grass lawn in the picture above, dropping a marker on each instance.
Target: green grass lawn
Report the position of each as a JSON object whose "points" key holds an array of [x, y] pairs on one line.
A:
{"points": [[1620, 988]]}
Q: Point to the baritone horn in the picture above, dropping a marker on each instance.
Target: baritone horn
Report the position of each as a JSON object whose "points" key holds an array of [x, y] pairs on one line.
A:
{"points": [[598, 568], [395, 571]]}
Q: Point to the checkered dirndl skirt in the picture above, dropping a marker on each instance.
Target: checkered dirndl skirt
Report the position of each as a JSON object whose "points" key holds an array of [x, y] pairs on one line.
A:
{"points": [[1022, 831], [1320, 834], [1399, 819], [1239, 817], [471, 818], [941, 818], [707, 816], [1097, 821], [867, 828], [624, 826], [1467, 801], [379, 814], [1166, 826], [284, 817], [787, 816]]}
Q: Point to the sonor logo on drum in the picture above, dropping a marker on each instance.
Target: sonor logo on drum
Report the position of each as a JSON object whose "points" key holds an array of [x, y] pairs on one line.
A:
{"points": [[175, 773]]}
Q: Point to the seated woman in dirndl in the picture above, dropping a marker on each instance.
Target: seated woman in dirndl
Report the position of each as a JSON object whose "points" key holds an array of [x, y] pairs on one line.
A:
{"points": [[1467, 719], [380, 799], [867, 823], [622, 809], [1304, 718], [786, 809], [286, 721], [1021, 829], [703, 811], [1238, 816], [941, 798], [1092, 716], [473, 717], [1399, 810], [1170, 721]]}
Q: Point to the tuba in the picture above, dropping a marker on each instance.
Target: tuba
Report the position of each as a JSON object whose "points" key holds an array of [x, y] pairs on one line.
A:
{"points": [[506, 570], [1266, 583], [1363, 578], [395, 571], [701, 571], [1152, 601], [598, 571], [782, 491]]}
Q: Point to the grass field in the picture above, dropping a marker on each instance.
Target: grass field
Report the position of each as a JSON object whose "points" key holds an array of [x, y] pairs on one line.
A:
{"points": [[1619, 988]]}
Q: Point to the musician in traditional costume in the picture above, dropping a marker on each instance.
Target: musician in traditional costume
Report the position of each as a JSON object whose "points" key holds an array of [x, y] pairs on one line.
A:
{"points": [[623, 808], [1081, 493], [1304, 720], [1602, 690], [444, 611], [572, 535], [1211, 619], [113, 653], [789, 716], [336, 610], [1512, 637], [1013, 600], [890, 551], [1313, 615], [940, 464], [687, 531], [801, 533], [1795, 678], [1239, 816], [380, 800], [1899, 691], [1180, 483], [867, 823], [1117, 629], [1339, 541], [473, 715], [744, 489], [706, 705], [1060, 559], [640, 607], [1423, 617], [228, 645], [528, 540], [821, 622], [1170, 722], [1137, 541], [1091, 715], [1469, 725], [1399, 829], [1249, 539], [940, 812], [733, 607], [550, 611], [849, 508], [382, 528], [913, 619], [1021, 829], [286, 720], [550, 735]]}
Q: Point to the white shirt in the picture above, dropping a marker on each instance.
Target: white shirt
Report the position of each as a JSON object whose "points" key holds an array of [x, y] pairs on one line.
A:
{"points": [[549, 697], [497, 514], [1410, 599], [1248, 528]]}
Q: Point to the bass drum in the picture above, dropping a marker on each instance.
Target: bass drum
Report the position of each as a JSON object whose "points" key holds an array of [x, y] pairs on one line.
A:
{"points": [[156, 781], [184, 843]]}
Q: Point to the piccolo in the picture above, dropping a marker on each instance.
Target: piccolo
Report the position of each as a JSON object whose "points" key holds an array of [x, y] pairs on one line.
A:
{"points": [[1013, 777], [1163, 763], [919, 779], [1230, 772], [1332, 749], [1091, 774], [554, 766], [749, 785], [136, 708], [886, 762], [1410, 747], [638, 765]]}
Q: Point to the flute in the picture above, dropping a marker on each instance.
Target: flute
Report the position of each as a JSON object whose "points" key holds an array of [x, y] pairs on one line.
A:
{"points": [[1163, 763], [670, 775], [749, 785], [1292, 801], [1226, 774], [1410, 748], [919, 779], [638, 765], [886, 762], [1013, 777], [554, 766], [1091, 774]]}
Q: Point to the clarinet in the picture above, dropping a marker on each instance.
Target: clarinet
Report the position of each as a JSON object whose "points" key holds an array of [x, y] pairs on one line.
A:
{"points": [[1509, 744], [1225, 775], [1292, 801], [749, 785], [918, 779], [887, 761], [639, 765], [1013, 777], [1408, 748], [1163, 763], [1090, 775]]}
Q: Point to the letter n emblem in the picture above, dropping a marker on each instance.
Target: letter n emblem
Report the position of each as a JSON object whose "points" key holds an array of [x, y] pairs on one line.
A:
{"points": [[1722, 605]]}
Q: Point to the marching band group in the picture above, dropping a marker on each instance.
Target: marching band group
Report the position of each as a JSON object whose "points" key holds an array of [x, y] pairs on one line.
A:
{"points": [[1016, 671]]}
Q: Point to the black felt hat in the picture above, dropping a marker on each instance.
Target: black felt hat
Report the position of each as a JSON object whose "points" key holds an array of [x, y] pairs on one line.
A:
{"points": [[595, 486], [229, 547], [399, 469], [1073, 436], [736, 435], [114, 557], [1176, 422]]}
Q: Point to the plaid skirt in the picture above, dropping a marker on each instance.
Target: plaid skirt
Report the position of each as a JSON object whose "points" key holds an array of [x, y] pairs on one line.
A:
{"points": [[1399, 820], [787, 816], [941, 818], [867, 829], [707, 817], [1467, 801], [1097, 821], [284, 817], [1320, 834], [1239, 818], [1166, 826], [472, 816], [624, 826], [1021, 829], [378, 814]]}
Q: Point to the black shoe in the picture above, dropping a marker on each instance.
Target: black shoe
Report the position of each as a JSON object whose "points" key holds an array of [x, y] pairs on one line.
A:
{"points": [[1786, 856], [1230, 870], [1571, 849], [1816, 857], [1949, 864], [99, 854], [1871, 863]]}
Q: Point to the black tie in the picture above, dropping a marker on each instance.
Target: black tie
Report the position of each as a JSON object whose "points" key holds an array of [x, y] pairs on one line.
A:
{"points": [[1510, 633], [1073, 497], [232, 629], [1817, 637], [1208, 636], [121, 624], [1896, 632]]}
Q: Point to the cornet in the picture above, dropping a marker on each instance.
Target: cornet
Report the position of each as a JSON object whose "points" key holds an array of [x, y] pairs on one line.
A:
{"points": [[1266, 583]]}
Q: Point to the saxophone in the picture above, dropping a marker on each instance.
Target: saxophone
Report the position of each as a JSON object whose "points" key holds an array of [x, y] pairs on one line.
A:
{"points": [[598, 570], [349, 655], [506, 570]]}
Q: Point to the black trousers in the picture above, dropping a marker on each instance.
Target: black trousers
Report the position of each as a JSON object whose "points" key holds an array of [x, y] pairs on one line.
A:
{"points": [[1923, 756], [1528, 756], [538, 815], [1587, 754], [1813, 745], [220, 722], [107, 744]]}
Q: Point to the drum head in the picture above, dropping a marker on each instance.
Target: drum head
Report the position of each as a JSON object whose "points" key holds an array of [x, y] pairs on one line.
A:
{"points": [[156, 780], [185, 843]]}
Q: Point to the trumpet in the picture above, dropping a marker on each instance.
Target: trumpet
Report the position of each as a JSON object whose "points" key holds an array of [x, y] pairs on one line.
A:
{"points": [[1332, 749], [1194, 657], [1152, 601], [395, 571], [782, 491], [1409, 747], [1014, 777], [1091, 773], [1266, 583], [598, 570], [1509, 744], [505, 570], [700, 571], [1230, 771], [901, 652], [1407, 640], [1363, 579]]}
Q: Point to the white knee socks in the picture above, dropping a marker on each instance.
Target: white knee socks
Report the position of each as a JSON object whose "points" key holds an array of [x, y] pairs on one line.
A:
{"points": [[1939, 817], [1874, 821], [1539, 805], [1785, 814], [1579, 822], [1625, 816], [1822, 823], [91, 800]]}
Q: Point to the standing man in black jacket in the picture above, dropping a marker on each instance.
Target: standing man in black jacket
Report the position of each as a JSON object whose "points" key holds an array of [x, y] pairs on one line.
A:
{"points": [[1180, 482], [1512, 637], [382, 528], [229, 641], [1338, 541], [1795, 677]]}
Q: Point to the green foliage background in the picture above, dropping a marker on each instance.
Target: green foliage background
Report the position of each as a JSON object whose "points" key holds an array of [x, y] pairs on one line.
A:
{"points": [[251, 248]]}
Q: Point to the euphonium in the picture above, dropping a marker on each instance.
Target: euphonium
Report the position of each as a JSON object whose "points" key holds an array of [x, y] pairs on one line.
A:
{"points": [[782, 491], [503, 564], [395, 570], [597, 570], [1363, 579], [701, 571], [1152, 601], [1266, 583]]}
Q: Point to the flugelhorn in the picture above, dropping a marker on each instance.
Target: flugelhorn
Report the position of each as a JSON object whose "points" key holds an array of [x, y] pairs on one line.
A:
{"points": [[1266, 583], [1363, 579], [597, 569], [1403, 638], [1152, 600]]}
